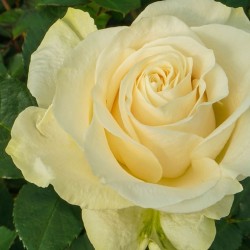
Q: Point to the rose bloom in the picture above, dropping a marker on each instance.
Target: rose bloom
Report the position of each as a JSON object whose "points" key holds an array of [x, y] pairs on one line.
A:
{"points": [[145, 127]]}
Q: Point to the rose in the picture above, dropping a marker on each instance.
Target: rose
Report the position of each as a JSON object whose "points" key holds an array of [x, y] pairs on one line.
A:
{"points": [[145, 127]]}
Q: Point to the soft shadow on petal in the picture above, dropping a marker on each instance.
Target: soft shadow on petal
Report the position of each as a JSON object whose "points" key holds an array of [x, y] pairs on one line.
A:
{"points": [[237, 157], [212, 145], [139, 160], [233, 57], [220, 209], [47, 155], [168, 147], [177, 198], [198, 13], [62, 36], [127, 42]]}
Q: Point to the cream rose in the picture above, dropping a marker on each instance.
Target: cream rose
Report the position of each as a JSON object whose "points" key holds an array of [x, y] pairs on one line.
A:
{"points": [[145, 127]]}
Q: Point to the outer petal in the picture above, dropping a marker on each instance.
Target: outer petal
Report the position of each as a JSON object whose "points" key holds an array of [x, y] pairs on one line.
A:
{"points": [[236, 67], [114, 229], [137, 228], [220, 209], [237, 158], [47, 155], [129, 228], [194, 191], [198, 12], [62, 36], [73, 99], [188, 231]]}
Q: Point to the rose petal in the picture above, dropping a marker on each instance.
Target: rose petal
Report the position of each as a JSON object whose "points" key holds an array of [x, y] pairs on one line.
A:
{"points": [[201, 123], [236, 66], [73, 99], [224, 186], [220, 209], [62, 36], [195, 13], [188, 231], [179, 199], [215, 142], [167, 146], [237, 158], [114, 229], [126, 43], [137, 158], [135, 228], [216, 84], [47, 155], [149, 115]]}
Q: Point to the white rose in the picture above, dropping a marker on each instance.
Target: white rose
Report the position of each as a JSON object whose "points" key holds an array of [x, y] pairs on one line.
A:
{"points": [[145, 127]]}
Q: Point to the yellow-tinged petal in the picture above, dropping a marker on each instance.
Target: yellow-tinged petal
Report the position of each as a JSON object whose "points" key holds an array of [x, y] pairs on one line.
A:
{"points": [[129, 40], [215, 142], [220, 209], [47, 155], [137, 228], [139, 160], [237, 158], [114, 229], [62, 36], [180, 198], [123, 229], [73, 99], [167, 146], [188, 231], [236, 66], [195, 13]]}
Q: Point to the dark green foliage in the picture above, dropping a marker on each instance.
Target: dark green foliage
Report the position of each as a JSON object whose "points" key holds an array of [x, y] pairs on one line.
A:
{"points": [[45, 221], [6, 238], [121, 6]]}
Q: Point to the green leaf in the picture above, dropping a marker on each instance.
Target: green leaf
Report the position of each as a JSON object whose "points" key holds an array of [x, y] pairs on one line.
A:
{"points": [[228, 236], [43, 220], [124, 6], [234, 229], [6, 207], [5, 32], [102, 20], [100, 16], [14, 97], [17, 245], [81, 243], [6, 238], [39, 22], [235, 3], [10, 17], [241, 205], [3, 70], [245, 244], [15, 65], [62, 2]]}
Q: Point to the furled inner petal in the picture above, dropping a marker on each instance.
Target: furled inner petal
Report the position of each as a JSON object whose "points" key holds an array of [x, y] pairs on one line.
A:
{"points": [[211, 188], [159, 96], [145, 165]]}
